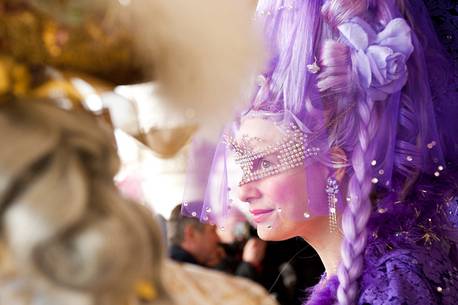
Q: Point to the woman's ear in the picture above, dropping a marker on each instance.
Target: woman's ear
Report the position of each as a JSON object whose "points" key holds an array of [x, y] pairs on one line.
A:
{"points": [[339, 162]]}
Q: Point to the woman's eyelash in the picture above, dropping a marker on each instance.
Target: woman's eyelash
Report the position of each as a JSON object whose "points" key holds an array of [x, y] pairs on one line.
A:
{"points": [[262, 163], [266, 163]]}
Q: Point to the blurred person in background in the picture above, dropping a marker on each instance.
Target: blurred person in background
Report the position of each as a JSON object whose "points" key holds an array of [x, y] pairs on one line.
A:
{"points": [[191, 241]]}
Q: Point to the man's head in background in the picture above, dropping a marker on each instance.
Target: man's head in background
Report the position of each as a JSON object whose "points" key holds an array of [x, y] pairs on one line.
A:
{"points": [[198, 239]]}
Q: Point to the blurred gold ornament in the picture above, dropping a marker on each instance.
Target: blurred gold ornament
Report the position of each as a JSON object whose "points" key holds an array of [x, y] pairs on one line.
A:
{"points": [[22, 78], [58, 89], [146, 291], [75, 35], [50, 38], [18, 81], [14, 77], [5, 82]]}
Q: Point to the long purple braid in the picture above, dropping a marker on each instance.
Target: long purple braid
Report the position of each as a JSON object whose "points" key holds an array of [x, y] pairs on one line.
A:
{"points": [[336, 80]]}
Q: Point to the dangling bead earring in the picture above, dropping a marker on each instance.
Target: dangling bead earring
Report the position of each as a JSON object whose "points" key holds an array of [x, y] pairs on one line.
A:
{"points": [[332, 189], [306, 213]]}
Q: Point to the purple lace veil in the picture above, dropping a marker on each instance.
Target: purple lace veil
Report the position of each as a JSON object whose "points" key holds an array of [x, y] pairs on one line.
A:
{"points": [[367, 76]]}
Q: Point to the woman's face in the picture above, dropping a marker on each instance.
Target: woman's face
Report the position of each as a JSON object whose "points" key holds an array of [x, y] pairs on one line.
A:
{"points": [[283, 204]]}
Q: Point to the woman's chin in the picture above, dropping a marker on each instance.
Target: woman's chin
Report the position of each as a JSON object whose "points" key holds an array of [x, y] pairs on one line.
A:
{"points": [[277, 229], [270, 234]]}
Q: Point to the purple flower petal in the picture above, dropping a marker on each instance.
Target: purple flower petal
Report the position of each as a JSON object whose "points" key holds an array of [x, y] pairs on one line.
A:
{"points": [[355, 34], [396, 85], [396, 36], [379, 59], [378, 56]]}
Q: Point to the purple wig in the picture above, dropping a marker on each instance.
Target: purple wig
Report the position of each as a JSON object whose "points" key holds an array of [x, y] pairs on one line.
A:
{"points": [[369, 77]]}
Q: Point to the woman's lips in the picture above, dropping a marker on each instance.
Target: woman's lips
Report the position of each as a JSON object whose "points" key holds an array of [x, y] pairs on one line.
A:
{"points": [[260, 215]]}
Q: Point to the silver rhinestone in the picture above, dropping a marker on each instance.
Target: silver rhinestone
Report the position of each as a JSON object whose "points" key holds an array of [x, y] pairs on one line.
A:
{"points": [[374, 162], [431, 145], [208, 210], [332, 210], [439, 289], [185, 204], [279, 210], [194, 214], [261, 80], [440, 167], [381, 172], [374, 180], [313, 68], [437, 174], [409, 158], [306, 215]]}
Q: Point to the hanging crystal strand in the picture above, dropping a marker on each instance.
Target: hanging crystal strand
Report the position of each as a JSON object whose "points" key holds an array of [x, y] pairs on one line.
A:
{"points": [[332, 189]]}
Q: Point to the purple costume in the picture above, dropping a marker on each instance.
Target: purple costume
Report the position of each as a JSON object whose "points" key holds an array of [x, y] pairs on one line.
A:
{"points": [[411, 256]]}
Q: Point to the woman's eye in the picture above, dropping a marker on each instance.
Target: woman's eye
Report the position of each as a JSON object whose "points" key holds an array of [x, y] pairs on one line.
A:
{"points": [[266, 164], [262, 164]]}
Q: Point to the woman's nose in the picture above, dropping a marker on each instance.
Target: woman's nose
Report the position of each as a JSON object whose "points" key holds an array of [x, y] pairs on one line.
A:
{"points": [[248, 192]]}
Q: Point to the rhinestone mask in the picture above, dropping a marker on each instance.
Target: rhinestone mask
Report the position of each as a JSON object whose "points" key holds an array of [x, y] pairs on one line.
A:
{"points": [[288, 153]]}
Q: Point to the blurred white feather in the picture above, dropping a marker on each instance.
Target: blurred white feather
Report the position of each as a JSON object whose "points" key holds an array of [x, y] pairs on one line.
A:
{"points": [[205, 55]]}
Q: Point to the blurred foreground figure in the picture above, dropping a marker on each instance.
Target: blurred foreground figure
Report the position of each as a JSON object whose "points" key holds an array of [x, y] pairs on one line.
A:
{"points": [[189, 284], [67, 235]]}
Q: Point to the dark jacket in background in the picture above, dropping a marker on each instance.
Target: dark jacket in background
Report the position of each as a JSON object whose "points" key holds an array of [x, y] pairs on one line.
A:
{"points": [[180, 255]]}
